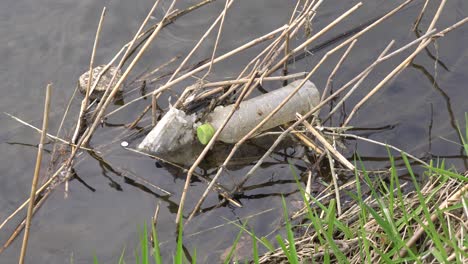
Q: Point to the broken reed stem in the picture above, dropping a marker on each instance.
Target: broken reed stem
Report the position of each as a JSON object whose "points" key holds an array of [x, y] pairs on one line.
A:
{"points": [[37, 170], [20, 227], [357, 35], [337, 66], [378, 143], [311, 112], [421, 14], [204, 66], [358, 83], [222, 84], [270, 50], [392, 74], [195, 48], [337, 155], [91, 62], [245, 80], [48, 135], [245, 90], [84, 103], [218, 36]]}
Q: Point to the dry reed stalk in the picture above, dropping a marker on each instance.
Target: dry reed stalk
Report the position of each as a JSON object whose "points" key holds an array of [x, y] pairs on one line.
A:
{"points": [[102, 104], [218, 36], [421, 14], [334, 177], [358, 83], [84, 103], [21, 225], [204, 66], [221, 84], [272, 49], [378, 143], [255, 129], [337, 66], [146, 75], [245, 80], [339, 91], [337, 155], [97, 119], [133, 124], [205, 35], [38, 191], [37, 170], [357, 35], [308, 142], [392, 74], [247, 87], [48, 135]]}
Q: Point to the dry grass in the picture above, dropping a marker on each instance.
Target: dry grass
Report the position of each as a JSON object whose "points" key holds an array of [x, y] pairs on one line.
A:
{"points": [[268, 65]]}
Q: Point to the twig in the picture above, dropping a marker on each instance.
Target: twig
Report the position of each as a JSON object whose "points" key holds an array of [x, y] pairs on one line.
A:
{"points": [[48, 135], [378, 143], [37, 169], [245, 80], [421, 14], [358, 83], [337, 155]]}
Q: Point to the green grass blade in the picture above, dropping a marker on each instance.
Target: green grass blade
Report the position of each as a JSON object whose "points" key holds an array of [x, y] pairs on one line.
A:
{"points": [[144, 245], [234, 245], [121, 259], [179, 251], [292, 244], [254, 248], [156, 250], [286, 252]]}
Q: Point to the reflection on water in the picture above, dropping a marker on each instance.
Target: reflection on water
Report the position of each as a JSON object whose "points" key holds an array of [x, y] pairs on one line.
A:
{"points": [[114, 190]]}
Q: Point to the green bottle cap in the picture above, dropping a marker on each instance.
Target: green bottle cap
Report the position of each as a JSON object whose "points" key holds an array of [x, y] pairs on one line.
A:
{"points": [[205, 132]]}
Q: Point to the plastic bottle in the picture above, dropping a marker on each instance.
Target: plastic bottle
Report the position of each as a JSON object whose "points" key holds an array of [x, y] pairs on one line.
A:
{"points": [[251, 112]]}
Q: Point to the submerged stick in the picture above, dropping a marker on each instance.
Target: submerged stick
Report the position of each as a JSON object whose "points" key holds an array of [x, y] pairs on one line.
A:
{"points": [[35, 179]]}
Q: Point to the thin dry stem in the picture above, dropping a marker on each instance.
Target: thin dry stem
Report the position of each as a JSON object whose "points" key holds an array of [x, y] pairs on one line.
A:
{"points": [[204, 66], [210, 144], [37, 170]]}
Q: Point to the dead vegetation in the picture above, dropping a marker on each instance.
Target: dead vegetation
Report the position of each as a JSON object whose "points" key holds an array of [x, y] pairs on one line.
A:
{"points": [[271, 64]]}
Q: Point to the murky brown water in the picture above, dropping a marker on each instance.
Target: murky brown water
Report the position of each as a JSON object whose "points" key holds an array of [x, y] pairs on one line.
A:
{"points": [[50, 41]]}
